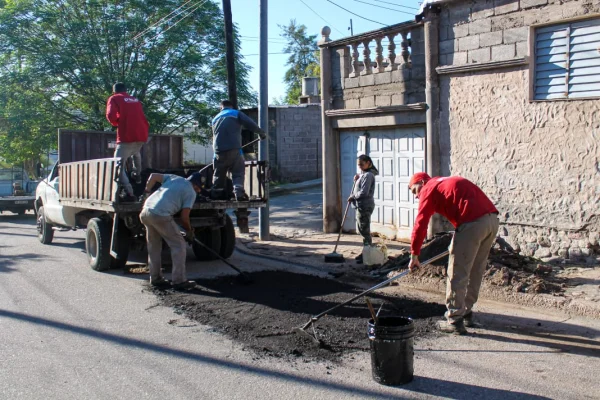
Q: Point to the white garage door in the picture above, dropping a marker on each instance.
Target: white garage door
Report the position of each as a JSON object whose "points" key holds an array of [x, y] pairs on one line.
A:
{"points": [[397, 154]]}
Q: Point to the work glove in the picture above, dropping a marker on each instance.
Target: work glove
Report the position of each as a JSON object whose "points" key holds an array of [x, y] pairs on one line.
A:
{"points": [[262, 136], [189, 237]]}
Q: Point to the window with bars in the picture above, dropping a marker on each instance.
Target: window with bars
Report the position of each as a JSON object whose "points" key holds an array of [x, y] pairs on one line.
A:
{"points": [[567, 61]]}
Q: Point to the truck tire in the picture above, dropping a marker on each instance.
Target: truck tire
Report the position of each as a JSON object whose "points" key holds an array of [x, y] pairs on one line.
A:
{"points": [[21, 212], [227, 238], [123, 245], [211, 238], [44, 229], [97, 244]]}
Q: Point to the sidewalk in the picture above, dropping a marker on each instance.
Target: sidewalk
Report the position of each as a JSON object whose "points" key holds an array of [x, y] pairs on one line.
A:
{"points": [[297, 238]]}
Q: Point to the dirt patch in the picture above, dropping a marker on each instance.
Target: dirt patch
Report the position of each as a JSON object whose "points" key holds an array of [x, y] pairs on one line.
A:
{"points": [[506, 268], [263, 315]]}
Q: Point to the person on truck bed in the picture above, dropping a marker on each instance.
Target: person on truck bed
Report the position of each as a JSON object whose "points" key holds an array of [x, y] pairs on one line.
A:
{"points": [[176, 194], [126, 113], [227, 144]]}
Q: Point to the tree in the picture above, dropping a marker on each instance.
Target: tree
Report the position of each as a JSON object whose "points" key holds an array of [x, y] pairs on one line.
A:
{"points": [[59, 59], [303, 60]]}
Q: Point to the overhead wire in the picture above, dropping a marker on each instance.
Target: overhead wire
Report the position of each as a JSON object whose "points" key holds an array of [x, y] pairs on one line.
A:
{"points": [[353, 13], [181, 19], [398, 5], [387, 8], [161, 20], [317, 14]]}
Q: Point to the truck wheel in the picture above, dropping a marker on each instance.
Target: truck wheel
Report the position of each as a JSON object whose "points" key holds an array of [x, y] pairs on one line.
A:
{"points": [[97, 244], [211, 238], [45, 230], [227, 238], [123, 245], [21, 212]]}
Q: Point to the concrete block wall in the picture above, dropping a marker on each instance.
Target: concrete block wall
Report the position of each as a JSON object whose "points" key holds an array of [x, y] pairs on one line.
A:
{"points": [[299, 142], [538, 161], [379, 89], [479, 31]]}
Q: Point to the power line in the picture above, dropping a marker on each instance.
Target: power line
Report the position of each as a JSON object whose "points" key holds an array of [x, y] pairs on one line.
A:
{"points": [[359, 16], [398, 5], [387, 8], [182, 18], [317, 14], [161, 20]]}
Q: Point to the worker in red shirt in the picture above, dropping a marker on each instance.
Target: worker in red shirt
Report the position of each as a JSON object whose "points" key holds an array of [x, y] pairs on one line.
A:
{"points": [[126, 113], [476, 221]]}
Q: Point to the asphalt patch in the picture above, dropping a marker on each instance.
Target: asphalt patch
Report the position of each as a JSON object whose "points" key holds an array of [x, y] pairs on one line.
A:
{"points": [[262, 316]]}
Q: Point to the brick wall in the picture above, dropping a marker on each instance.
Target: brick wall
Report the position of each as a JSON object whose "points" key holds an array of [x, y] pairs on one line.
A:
{"points": [[538, 161]]}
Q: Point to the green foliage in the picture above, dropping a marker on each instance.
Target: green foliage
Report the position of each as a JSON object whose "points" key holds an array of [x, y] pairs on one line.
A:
{"points": [[60, 58], [303, 60]]}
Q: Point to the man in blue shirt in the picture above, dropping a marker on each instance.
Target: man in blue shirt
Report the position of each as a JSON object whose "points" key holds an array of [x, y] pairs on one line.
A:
{"points": [[227, 144], [175, 194]]}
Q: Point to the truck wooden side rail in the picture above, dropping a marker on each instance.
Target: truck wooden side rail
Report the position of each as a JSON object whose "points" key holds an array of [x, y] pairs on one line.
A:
{"points": [[83, 192]]}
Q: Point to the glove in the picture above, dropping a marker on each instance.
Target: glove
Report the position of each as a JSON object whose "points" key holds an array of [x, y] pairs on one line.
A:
{"points": [[189, 237], [262, 136]]}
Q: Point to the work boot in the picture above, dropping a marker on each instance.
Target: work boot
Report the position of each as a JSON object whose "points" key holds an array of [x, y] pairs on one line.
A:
{"points": [[470, 322], [136, 177], [160, 283], [359, 259], [242, 197], [457, 328], [186, 285]]}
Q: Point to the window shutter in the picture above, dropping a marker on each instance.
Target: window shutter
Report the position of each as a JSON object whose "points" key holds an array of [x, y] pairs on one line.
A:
{"points": [[567, 58]]}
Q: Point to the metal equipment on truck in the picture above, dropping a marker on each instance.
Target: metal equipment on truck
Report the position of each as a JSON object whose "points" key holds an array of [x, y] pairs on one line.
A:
{"points": [[82, 191], [16, 191]]}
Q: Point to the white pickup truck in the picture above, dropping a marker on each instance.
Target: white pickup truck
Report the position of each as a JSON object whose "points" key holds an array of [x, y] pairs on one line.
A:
{"points": [[16, 191], [84, 193]]}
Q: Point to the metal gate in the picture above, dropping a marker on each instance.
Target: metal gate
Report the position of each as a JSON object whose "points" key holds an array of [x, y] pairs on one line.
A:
{"points": [[397, 154]]}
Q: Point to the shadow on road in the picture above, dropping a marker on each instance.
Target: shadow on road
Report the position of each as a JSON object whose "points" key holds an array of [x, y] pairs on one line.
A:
{"points": [[430, 386]]}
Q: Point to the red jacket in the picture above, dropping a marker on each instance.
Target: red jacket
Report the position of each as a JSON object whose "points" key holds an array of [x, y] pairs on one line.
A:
{"points": [[126, 113], [456, 198]]}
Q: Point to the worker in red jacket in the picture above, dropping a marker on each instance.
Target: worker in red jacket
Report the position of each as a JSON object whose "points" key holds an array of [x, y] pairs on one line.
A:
{"points": [[126, 113], [476, 221]]}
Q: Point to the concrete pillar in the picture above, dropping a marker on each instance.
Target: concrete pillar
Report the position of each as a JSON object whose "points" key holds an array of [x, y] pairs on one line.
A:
{"points": [[330, 139], [432, 98]]}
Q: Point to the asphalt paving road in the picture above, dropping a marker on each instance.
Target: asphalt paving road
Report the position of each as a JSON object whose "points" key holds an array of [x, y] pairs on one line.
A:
{"points": [[71, 333]]}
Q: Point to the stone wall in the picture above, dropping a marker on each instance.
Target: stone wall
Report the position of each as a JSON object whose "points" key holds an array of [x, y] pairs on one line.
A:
{"points": [[386, 88], [538, 161]]}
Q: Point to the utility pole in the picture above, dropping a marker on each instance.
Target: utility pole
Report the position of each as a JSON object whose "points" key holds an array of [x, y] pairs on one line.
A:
{"points": [[230, 53], [351, 28], [263, 111]]}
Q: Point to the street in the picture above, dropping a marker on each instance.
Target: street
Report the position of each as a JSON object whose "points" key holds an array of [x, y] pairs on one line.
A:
{"points": [[72, 333]]}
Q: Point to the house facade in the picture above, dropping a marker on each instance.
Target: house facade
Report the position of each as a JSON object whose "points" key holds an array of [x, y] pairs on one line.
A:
{"points": [[503, 92]]}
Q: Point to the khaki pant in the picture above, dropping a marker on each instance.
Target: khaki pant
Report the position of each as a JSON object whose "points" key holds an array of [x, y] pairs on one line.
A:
{"points": [[157, 229], [124, 151], [469, 252]]}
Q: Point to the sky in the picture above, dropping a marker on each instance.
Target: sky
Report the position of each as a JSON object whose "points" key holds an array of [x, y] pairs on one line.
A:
{"points": [[245, 14]]}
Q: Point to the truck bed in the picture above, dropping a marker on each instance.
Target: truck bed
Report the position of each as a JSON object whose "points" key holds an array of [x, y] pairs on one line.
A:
{"points": [[92, 184]]}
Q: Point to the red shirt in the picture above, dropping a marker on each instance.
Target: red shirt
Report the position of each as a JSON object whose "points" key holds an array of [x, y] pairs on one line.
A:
{"points": [[456, 198], [126, 113]]}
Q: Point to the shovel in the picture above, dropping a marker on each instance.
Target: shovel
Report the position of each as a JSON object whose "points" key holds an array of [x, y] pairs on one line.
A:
{"points": [[317, 317]]}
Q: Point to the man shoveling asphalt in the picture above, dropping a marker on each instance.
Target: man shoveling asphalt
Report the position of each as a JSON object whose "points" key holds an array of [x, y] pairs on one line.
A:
{"points": [[476, 221], [175, 194]]}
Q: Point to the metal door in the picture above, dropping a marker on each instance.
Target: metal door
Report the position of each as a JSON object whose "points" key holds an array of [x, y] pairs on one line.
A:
{"points": [[397, 153], [351, 146]]}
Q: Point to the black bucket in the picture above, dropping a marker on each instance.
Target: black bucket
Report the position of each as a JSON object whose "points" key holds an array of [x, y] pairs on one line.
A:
{"points": [[392, 352]]}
